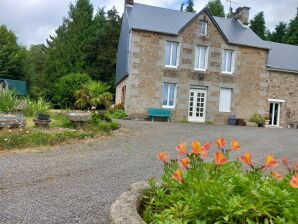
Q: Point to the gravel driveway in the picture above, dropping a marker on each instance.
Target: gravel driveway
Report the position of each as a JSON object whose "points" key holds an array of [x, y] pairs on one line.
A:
{"points": [[77, 183]]}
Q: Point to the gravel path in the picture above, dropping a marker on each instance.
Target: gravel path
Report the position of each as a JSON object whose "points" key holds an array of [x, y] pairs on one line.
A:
{"points": [[77, 183]]}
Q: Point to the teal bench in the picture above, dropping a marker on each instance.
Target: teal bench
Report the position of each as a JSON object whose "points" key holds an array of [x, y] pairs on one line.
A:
{"points": [[157, 112]]}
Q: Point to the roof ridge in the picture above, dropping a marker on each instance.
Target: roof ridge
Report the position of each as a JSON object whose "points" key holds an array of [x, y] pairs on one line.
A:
{"points": [[165, 8]]}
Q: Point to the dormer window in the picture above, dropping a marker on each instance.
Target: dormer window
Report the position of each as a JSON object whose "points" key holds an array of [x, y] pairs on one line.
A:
{"points": [[203, 28]]}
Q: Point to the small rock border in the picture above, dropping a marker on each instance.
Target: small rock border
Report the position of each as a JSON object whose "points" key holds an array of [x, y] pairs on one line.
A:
{"points": [[126, 208]]}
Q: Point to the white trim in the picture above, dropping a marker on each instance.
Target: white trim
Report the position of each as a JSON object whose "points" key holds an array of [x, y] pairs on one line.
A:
{"points": [[206, 28], [276, 100], [273, 114], [171, 54], [225, 62], [194, 118], [168, 96], [197, 59]]}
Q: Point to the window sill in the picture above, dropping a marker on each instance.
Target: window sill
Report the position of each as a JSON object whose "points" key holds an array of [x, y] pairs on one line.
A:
{"points": [[200, 70], [228, 73], [168, 107], [172, 68], [224, 111]]}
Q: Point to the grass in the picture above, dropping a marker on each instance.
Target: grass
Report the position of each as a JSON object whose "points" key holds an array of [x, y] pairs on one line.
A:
{"points": [[60, 130]]}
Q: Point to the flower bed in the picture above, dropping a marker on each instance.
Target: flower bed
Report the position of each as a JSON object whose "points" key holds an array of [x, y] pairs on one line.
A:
{"points": [[222, 191]]}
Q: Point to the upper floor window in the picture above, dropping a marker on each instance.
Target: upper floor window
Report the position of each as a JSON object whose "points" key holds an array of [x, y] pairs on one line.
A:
{"points": [[169, 93], [201, 58], [203, 28], [172, 54], [228, 62]]}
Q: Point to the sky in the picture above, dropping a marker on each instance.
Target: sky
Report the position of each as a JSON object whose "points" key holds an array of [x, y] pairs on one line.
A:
{"points": [[34, 20]]}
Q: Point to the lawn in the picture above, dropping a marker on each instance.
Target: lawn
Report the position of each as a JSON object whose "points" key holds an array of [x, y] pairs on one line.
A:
{"points": [[60, 130]]}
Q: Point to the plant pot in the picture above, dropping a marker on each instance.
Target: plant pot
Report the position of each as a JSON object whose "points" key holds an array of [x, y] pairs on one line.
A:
{"points": [[240, 122], [267, 122], [43, 117], [128, 207]]}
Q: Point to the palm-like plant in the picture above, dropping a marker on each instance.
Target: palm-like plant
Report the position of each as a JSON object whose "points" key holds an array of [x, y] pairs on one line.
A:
{"points": [[93, 94]]}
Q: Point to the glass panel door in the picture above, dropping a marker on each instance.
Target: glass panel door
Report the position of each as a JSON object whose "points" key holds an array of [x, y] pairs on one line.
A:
{"points": [[274, 114], [197, 105]]}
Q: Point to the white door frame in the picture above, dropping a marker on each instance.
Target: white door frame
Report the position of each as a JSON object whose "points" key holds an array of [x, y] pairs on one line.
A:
{"points": [[195, 92], [276, 103]]}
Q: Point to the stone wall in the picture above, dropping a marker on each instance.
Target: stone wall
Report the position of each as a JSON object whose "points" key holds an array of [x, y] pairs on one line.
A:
{"points": [[284, 86], [148, 72], [119, 93]]}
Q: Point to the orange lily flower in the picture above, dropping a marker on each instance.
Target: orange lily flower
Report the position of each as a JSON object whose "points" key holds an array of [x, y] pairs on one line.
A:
{"points": [[206, 146], [204, 154], [276, 175], [195, 147], [185, 163], [177, 175], [246, 159], [270, 162], [294, 181], [235, 145], [181, 148], [220, 159], [162, 156], [221, 142]]}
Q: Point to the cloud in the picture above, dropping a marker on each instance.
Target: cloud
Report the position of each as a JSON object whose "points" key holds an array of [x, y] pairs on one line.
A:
{"points": [[34, 20]]}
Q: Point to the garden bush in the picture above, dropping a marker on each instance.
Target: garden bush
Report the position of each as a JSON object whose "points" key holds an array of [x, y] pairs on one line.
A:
{"points": [[9, 101], [195, 191], [37, 106], [62, 94], [117, 114]]}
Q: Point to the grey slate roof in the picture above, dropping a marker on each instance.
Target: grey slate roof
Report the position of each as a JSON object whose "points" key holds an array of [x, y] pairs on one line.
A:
{"points": [[283, 56], [172, 22]]}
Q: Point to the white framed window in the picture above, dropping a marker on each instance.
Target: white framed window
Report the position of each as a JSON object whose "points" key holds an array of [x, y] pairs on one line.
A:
{"points": [[172, 54], [203, 28], [201, 58], [228, 62], [169, 95], [225, 100]]}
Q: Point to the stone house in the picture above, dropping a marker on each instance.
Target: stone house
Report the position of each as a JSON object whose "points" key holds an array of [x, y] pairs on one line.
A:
{"points": [[204, 68]]}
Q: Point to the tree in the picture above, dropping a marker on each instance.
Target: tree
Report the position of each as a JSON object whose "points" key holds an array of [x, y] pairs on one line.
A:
{"points": [[257, 24], [216, 8], [279, 33], [37, 55], [182, 7], [291, 36], [230, 14], [93, 94], [67, 51], [190, 6], [102, 50], [12, 56], [62, 92]]}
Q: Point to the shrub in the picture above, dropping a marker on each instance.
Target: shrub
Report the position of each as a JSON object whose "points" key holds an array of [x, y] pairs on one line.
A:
{"points": [[62, 92], [117, 107], [258, 119], [117, 114], [39, 106], [195, 191], [9, 101], [93, 94]]}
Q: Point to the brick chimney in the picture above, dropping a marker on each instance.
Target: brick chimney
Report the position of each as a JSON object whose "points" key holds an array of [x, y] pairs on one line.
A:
{"points": [[128, 2], [242, 13]]}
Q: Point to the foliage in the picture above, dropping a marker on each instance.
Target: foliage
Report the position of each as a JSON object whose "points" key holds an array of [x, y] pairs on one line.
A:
{"points": [[12, 56], [37, 55], [258, 119], [93, 94], [97, 118], [9, 101], [116, 107], [216, 8], [85, 43], [257, 24], [63, 92], [117, 114], [37, 106], [291, 36], [190, 6], [195, 191], [278, 34]]}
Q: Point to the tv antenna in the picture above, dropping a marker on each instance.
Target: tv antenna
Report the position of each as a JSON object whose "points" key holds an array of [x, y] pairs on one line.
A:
{"points": [[231, 2]]}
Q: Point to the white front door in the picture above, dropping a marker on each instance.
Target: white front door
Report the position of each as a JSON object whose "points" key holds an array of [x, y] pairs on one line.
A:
{"points": [[274, 113], [197, 105]]}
